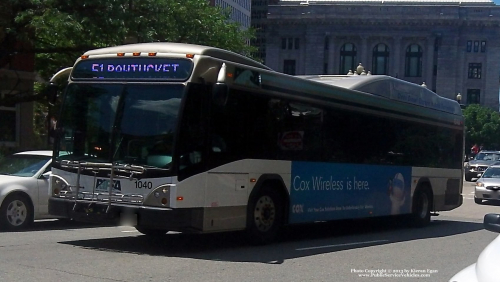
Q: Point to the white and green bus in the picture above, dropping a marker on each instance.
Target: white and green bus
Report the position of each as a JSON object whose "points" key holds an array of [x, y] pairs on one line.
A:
{"points": [[178, 137]]}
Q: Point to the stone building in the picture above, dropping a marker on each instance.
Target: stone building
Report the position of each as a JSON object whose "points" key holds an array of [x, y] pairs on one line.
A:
{"points": [[240, 10], [453, 46], [259, 23]]}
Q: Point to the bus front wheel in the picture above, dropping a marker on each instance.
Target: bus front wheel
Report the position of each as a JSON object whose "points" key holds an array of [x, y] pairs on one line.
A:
{"points": [[421, 207], [265, 217]]}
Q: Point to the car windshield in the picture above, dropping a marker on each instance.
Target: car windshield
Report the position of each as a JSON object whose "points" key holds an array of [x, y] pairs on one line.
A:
{"points": [[131, 124], [22, 165], [492, 172], [488, 157]]}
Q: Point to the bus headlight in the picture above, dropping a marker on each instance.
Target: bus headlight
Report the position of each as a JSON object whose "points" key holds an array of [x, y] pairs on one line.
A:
{"points": [[160, 196], [58, 185]]}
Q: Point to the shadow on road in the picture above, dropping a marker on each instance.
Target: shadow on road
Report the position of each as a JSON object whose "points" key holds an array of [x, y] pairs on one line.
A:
{"points": [[298, 241], [490, 203], [53, 224]]}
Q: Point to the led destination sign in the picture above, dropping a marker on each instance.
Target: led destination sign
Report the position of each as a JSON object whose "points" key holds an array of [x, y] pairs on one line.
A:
{"points": [[134, 68]]}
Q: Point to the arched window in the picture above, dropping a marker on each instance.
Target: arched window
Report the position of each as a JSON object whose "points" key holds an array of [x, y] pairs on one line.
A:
{"points": [[413, 64], [380, 60], [347, 58]]}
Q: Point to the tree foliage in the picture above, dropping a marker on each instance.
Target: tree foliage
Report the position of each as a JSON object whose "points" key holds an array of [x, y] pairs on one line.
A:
{"points": [[58, 31], [482, 127]]}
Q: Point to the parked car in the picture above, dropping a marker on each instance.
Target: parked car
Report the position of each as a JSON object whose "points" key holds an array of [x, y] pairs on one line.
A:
{"points": [[475, 167], [24, 188], [488, 185], [486, 268]]}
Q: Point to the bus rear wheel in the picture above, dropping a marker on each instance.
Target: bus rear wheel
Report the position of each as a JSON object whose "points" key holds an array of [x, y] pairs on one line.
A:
{"points": [[265, 217], [151, 231], [421, 207]]}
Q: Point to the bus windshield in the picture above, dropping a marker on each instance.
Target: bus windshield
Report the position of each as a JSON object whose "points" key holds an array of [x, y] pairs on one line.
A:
{"points": [[124, 123]]}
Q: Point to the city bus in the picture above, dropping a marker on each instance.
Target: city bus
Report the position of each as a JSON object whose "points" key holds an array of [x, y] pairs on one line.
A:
{"points": [[187, 138]]}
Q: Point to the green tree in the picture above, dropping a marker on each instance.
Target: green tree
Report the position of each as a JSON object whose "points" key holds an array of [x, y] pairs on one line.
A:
{"points": [[482, 127], [58, 31]]}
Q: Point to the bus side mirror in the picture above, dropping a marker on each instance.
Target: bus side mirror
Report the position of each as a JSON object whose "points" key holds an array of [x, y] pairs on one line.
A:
{"points": [[220, 94], [51, 93]]}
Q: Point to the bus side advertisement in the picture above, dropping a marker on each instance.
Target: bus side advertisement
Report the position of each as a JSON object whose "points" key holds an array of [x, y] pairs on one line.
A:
{"points": [[323, 191]]}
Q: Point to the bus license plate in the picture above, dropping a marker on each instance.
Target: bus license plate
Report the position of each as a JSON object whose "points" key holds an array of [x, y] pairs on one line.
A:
{"points": [[128, 219]]}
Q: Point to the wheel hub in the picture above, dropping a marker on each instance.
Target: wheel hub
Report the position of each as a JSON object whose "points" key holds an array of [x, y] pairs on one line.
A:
{"points": [[264, 213], [424, 205], [16, 213]]}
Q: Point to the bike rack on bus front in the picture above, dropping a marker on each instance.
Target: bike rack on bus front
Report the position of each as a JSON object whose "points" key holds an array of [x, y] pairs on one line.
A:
{"points": [[113, 168]]}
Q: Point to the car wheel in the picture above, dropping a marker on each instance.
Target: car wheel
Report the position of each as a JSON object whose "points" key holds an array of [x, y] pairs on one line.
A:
{"points": [[265, 217], [16, 212], [468, 178], [421, 207], [478, 201], [151, 231]]}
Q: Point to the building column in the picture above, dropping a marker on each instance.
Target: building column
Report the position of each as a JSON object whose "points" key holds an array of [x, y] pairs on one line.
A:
{"points": [[331, 54], [396, 63], [315, 52], [429, 62], [364, 52]]}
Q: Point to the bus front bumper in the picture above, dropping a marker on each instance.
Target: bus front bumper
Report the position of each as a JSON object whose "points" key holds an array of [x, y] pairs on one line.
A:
{"points": [[183, 220]]}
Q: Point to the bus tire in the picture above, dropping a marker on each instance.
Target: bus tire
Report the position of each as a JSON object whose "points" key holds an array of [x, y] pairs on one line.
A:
{"points": [[16, 212], [421, 206], [151, 231], [265, 217]]}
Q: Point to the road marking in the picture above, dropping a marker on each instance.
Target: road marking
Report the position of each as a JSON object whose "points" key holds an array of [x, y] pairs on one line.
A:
{"points": [[46, 220], [341, 245]]}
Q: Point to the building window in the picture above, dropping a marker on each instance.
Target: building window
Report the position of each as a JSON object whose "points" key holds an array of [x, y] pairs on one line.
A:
{"points": [[380, 59], [473, 96], [476, 46], [347, 58], [290, 43], [289, 67], [413, 64], [469, 46], [483, 46], [475, 70]]}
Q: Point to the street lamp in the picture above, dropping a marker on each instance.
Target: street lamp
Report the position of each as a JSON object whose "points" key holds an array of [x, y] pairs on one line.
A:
{"points": [[459, 98]]}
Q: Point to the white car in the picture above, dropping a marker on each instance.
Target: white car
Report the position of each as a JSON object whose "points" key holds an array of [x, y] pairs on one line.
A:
{"points": [[24, 188], [486, 268]]}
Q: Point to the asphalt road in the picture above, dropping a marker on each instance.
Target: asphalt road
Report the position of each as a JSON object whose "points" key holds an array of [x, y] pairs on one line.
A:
{"points": [[343, 251]]}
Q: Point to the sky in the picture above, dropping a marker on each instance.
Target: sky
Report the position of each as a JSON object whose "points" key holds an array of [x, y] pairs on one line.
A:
{"points": [[497, 2]]}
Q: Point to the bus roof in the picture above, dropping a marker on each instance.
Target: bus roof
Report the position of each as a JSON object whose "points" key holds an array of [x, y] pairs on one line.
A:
{"points": [[178, 48], [392, 88]]}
